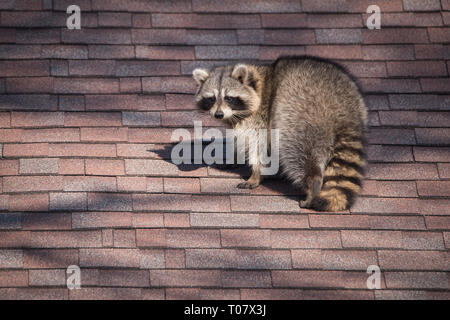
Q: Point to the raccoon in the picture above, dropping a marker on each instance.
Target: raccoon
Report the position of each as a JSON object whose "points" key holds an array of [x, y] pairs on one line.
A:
{"points": [[320, 114]]}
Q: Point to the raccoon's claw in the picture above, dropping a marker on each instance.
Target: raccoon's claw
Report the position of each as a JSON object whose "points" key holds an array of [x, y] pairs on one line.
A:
{"points": [[247, 185]]}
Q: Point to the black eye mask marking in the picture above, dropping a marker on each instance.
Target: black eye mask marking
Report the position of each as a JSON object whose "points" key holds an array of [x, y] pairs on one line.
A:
{"points": [[235, 103], [251, 81], [206, 103]]}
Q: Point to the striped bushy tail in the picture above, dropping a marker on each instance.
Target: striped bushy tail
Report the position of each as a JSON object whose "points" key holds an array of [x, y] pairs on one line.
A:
{"points": [[343, 175]]}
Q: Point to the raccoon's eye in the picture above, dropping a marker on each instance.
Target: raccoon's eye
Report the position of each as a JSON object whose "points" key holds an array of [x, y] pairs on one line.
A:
{"points": [[206, 103], [211, 99], [235, 102], [231, 100]]}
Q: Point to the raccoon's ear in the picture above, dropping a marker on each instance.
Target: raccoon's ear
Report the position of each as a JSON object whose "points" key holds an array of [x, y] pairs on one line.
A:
{"points": [[200, 75], [240, 72]]}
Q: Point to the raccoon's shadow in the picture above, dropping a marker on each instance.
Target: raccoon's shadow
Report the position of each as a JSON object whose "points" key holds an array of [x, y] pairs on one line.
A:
{"points": [[274, 185]]}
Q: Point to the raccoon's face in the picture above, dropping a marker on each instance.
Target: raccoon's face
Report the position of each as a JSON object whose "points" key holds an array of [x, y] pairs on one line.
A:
{"points": [[227, 93]]}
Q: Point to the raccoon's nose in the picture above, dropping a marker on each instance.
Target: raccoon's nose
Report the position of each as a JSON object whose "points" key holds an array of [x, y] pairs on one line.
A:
{"points": [[218, 115]]}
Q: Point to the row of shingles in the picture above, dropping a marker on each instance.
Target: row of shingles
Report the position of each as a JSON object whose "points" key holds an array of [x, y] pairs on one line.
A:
{"points": [[208, 294], [334, 6], [213, 6], [116, 293], [213, 294]]}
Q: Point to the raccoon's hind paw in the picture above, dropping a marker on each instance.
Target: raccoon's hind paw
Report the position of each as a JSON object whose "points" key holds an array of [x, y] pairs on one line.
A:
{"points": [[247, 185]]}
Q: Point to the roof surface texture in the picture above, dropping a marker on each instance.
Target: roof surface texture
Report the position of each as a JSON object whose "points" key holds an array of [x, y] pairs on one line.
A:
{"points": [[86, 118]]}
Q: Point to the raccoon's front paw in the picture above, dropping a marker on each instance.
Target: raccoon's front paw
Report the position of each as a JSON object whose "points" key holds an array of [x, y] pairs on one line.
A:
{"points": [[304, 203], [247, 185]]}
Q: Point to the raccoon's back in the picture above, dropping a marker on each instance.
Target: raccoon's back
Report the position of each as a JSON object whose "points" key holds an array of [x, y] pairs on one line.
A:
{"points": [[313, 90]]}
